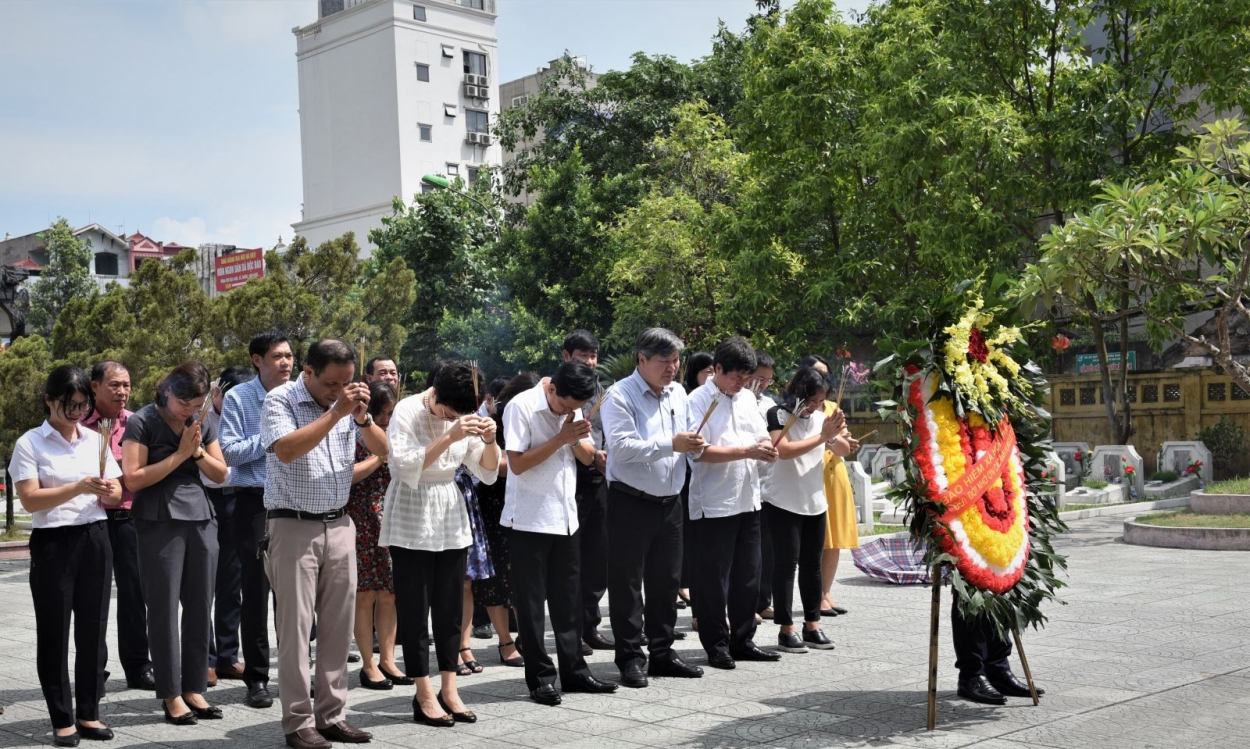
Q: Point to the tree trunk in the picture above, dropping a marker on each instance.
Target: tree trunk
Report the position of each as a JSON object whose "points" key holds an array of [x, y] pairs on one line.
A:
{"points": [[1100, 346], [1126, 424]]}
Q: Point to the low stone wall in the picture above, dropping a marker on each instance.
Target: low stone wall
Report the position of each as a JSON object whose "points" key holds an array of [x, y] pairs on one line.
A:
{"points": [[1220, 504], [1208, 539], [1177, 488]]}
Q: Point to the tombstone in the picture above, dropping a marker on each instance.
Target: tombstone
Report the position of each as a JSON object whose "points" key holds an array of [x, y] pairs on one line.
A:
{"points": [[1176, 456], [888, 464], [1109, 463], [1072, 467], [861, 484], [865, 456], [1057, 468]]}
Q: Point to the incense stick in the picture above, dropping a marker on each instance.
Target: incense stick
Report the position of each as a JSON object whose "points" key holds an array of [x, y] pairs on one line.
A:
{"points": [[841, 387], [707, 414], [208, 400], [866, 436], [794, 416], [477, 398], [106, 431], [360, 355], [595, 408]]}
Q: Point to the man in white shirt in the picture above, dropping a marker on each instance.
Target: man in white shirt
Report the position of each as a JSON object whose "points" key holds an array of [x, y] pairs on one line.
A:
{"points": [[647, 426], [725, 507], [761, 380], [546, 438]]}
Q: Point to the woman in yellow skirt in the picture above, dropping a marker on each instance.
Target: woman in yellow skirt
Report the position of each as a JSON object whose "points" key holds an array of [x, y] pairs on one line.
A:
{"points": [[843, 530]]}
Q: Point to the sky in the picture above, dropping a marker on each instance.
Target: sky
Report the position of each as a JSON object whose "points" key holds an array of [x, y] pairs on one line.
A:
{"points": [[178, 118]]}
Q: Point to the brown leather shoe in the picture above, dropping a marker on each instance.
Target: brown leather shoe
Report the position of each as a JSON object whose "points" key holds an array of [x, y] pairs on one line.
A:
{"points": [[307, 738], [346, 733], [212, 677], [234, 671]]}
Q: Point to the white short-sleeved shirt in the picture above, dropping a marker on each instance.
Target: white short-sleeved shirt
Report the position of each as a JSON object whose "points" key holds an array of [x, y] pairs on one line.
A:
{"points": [[42, 453], [798, 484], [544, 498], [719, 490]]}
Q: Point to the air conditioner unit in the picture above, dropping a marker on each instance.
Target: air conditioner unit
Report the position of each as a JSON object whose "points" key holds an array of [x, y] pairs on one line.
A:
{"points": [[470, 91], [479, 139], [478, 80]]}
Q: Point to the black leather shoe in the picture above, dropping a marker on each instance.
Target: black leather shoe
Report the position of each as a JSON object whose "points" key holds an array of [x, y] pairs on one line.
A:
{"points": [[679, 635], [1009, 686], [380, 685], [144, 680], [186, 719], [69, 739], [482, 632], [587, 651], [674, 667], [398, 680], [212, 712], [94, 734], [755, 653], [589, 684], [354, 657], [546, 695], [258, 696], [442, 721], [633, 677], [721, 660], [979, 689], [468, 716], [599, 641]]}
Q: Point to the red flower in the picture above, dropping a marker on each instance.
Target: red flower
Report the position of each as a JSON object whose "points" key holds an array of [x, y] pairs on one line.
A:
{"points": [[976, 346], [1128, 470], [1079, 456], [1060, 343]]}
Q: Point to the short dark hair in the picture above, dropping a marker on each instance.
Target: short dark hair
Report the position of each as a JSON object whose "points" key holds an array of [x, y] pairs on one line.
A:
{"points": [[61, 385], [329, 351], [734, 354], [496, 386], [381, 395], [657, 342], [581, 340], [695, 363], [429, 378], [101, 369], [575, 379], [231, 376], [453, 386], [265, 340], [762, 359], [375, 360], [806, 383], [811, 360], [188, 380], [515, 387]]}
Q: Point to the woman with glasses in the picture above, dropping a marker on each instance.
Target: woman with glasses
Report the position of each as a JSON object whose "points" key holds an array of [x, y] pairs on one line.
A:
{"points": [[165, 449], [425, 523], [64, 479], [795, 506]]}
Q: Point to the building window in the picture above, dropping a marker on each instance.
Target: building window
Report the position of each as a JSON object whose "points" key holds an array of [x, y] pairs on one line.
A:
{"points": [[474, 63], [1171, 393], [449, 110], [427, 133], [476, 122], [426, 187], [1150, 394], [472, 171], [105, 264], [453, 170], [423, 73], [475, 4], [1216, 391], [418, 12], [1087, 397], [449, 51], [1067, 397], [518, 101]]}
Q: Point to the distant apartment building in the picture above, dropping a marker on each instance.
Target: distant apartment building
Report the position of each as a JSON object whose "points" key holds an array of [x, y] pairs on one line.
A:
{"points": [[113, 257], [390, 90]]}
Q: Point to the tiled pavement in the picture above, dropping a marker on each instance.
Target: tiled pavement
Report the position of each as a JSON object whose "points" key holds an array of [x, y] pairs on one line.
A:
{"points": [[1151, 650]]}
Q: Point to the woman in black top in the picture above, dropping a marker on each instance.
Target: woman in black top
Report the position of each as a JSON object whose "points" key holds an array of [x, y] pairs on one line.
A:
{"points": [[164, 450]]}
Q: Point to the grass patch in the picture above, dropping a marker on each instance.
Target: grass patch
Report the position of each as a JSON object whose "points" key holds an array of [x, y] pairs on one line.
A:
{"points": [[881, 529], [1166, 477], [1229, 486], [1095, 484], [13, 533], [1188, 519]]}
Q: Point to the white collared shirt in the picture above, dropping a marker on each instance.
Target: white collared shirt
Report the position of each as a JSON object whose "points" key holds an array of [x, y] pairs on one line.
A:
{"points": [[719, 490], [638, 428], [42, 453], [544, 498]]}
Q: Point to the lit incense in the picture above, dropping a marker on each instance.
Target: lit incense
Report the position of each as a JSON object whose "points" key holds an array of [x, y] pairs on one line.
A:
{"points": [[707, 415], [360, 356], [794, 416], [106, 431], [595, 408], [477, 397]]}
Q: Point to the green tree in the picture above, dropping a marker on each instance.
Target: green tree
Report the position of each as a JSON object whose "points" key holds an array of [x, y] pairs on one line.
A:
{"points": [[24, 368], [67, 275]]}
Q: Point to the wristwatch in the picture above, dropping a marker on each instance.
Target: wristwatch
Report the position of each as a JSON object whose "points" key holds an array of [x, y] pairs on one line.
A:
{"points": [[199, 453], [368, 422]]}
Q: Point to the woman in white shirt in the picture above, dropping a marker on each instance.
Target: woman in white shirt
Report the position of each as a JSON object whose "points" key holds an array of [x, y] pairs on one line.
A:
{"points": [[795, 506], [60, 482], [426, 526]]}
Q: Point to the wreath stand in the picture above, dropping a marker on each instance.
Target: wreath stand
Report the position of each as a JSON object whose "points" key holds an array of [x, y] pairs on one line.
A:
{"points": [[934, 614]]}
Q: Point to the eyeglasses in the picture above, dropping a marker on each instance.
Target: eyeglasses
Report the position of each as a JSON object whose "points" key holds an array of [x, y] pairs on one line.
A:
{"points": [[75, 407]]}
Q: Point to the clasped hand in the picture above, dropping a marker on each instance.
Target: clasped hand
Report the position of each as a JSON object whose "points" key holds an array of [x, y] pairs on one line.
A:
{"points": [[472, 426], [354, 400], [762, 450], [99, 487], [688, 442], [572, 432]]}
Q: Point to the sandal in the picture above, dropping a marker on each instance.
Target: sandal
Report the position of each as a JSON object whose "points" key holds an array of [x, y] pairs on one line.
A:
{"points": [[468, 667], [515, 661]]}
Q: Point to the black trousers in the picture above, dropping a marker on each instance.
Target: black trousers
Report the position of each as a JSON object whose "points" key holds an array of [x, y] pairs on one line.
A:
{"points": [[592, 529], [644, 549], [767, 562], [429, 582], [546, 573], [132, 612], [728, 580], [247, 526], [979, 651], [797, 541], [70, 571], [223, 648]]}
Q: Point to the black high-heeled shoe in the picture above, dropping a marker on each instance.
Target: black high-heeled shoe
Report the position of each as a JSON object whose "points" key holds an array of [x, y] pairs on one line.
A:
{"points": [[468, 716], [382, 684], [95, 734], [186, 719], [212, 712], [397, 679], [515, 661], [418, 715]]}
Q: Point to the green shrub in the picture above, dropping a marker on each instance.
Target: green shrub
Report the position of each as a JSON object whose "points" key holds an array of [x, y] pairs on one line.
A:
{"points": [[1164, 476], [1227, 441]]}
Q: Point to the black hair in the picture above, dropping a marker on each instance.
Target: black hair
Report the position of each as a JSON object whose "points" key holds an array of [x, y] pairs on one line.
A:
{"points": [[515, 387], [806, 383], [580, 340], [61, 385], [375, 360], [496, 386], [453, 386], [657, 342], [231, 376], [429, 378], [762, 359], [381, 395], [329, 351], [188, 381], [265, 340], [101, 369], [575, 379], [696, 363], [734, 354], [811, 360]]}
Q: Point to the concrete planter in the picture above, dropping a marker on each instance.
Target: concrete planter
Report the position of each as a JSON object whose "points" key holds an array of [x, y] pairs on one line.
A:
{"points": [[14, 549], [1209, 539], [1178, 488], [1220, 504]]}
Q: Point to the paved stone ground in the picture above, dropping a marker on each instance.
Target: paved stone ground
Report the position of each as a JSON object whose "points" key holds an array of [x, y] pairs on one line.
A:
{"points": [[1152, 650]]}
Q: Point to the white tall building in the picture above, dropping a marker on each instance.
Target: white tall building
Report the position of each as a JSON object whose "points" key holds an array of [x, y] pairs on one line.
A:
{"points": [[390, 90]]}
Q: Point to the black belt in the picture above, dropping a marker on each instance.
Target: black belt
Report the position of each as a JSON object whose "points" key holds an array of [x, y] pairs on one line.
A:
{"points": [[249, 491], [117, 514], [323, 517], [631, 491]]}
